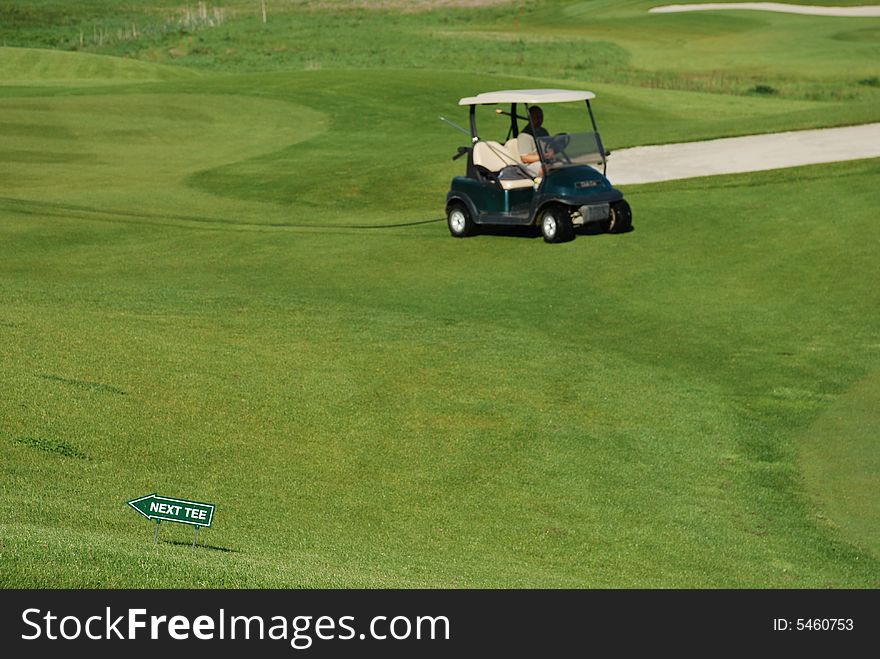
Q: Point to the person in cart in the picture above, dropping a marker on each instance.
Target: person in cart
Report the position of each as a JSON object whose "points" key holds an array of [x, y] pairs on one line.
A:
{"points": [[525, 143]]}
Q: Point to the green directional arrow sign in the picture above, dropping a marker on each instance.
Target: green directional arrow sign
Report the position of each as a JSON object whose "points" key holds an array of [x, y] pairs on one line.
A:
{"points": [[166, 509]]}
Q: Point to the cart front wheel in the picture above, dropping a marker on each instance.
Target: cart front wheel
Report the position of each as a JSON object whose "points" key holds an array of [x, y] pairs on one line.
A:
{"points": [[620, 220], [556, 225]]}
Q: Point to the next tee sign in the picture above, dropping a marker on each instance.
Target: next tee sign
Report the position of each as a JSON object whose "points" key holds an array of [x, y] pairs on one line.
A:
{"points": [[167, 509]]}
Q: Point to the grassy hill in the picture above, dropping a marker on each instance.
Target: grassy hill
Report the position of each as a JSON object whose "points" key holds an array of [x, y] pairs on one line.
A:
{"points": [[225, 275]]}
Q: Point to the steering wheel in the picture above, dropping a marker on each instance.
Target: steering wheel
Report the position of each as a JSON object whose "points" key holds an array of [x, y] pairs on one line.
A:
{"points": [[560, 141], [557, 144]]}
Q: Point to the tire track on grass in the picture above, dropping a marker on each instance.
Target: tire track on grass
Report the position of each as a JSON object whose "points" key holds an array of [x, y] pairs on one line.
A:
{"points": [[68, 211]]}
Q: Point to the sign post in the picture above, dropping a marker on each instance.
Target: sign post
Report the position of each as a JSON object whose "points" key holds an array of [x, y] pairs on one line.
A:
{"points": [[183, 511]]}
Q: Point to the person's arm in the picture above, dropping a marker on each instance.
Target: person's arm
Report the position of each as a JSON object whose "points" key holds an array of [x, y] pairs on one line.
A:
{"points": [[529, 158]]}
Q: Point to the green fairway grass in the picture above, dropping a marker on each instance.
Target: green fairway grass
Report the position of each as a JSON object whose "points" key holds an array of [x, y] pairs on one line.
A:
{"points": [[225, 275], [841, 462]]}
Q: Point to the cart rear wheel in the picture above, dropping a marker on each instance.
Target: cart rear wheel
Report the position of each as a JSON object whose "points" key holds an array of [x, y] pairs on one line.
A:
{"points": [[556, 226], [459, 221]]}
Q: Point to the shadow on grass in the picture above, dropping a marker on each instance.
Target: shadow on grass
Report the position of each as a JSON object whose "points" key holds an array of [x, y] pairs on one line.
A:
{"points": [[596, 229], [56, 446], [509, 231], [199, 545], [592, 229], [98, 386]]}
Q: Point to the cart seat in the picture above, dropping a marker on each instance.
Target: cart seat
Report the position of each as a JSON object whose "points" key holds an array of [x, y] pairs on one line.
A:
{"points": [[492, 156], [495, 158], [513, 184], [512, 146]]}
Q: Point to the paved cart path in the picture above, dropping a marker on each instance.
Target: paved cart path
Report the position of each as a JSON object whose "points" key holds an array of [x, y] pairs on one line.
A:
{"points": [[866, 10], [735, 155]]}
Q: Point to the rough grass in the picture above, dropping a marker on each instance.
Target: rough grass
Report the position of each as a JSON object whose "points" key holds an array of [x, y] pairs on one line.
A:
{"points": [[25, 66], [814, 58]]}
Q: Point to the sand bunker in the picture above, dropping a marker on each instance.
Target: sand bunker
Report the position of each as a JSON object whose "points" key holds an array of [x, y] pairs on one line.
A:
{"points": [[865, 10], [736, 155]]}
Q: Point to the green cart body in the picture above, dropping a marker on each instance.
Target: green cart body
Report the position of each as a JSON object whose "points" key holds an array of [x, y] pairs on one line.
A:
{"points": [[566, 191]]}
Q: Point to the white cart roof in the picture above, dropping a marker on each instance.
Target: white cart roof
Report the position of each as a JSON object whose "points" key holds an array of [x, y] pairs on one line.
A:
{"points": [[531, 96]]}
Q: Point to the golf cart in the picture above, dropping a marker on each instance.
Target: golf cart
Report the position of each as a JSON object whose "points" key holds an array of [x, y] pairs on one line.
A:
{"points": [[562, 189]]}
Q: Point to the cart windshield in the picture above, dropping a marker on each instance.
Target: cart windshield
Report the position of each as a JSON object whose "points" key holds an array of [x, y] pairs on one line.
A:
{"points": [[566, 149]]}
